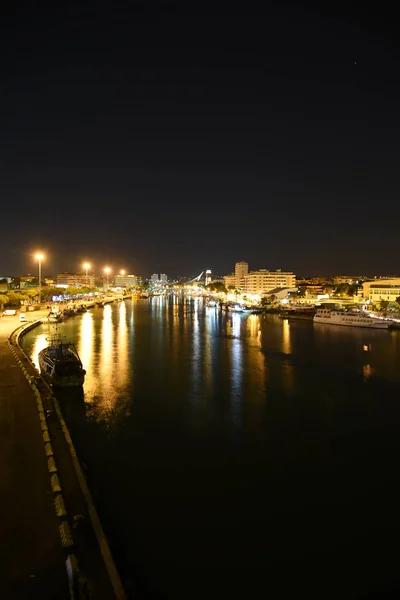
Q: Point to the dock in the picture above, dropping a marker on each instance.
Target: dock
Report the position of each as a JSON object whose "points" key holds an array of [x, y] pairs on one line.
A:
{"points": [[53, 544]]}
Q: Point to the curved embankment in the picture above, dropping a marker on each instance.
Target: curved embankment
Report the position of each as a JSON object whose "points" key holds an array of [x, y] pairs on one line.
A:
{"points": [[81, 532]]}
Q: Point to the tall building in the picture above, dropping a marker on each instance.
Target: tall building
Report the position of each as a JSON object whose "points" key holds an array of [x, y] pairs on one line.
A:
{"points": [[241, 270], [208, 276], [75, 279], [263, 281], [163, 278], [154, 278]]}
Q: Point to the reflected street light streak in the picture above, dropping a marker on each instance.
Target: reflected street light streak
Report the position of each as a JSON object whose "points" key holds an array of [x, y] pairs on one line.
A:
{"points": [[86, 351]]}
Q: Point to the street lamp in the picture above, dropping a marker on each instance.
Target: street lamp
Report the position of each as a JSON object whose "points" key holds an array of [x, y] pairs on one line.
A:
{"points": [[122, 271], [107, 271], [39, 257], [86, 266]]}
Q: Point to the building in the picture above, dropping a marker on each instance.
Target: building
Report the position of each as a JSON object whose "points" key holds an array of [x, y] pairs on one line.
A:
{"points": [[381, 289], [350, 279], [208, 276], [154, 278], [163, 279], [75, 279], [262, 282], [283, 293], [241, 270], [127, 280], [230, 281], [26, 281]]}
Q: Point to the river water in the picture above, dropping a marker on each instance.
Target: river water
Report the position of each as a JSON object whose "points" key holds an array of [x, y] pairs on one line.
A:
{"points": [[238, 455]]}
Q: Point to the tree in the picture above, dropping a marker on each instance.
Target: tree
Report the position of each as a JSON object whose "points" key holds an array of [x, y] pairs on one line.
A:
{"points": [[3, 301], [217, 286], [384, 305], [397, 301], [15, 298]]}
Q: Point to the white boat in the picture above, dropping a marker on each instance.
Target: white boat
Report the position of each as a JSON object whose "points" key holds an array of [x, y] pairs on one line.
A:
{"points": [[352, 319]]}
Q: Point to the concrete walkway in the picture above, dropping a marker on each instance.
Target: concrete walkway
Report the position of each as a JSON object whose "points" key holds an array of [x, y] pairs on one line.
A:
{"points": [[32, 560]]}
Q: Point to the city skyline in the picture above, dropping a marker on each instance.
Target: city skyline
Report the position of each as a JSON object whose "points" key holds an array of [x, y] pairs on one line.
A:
{"points": [[182, 140]]}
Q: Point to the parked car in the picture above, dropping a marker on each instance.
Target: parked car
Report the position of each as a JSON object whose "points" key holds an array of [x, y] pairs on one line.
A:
{"points": [[9, 313]]}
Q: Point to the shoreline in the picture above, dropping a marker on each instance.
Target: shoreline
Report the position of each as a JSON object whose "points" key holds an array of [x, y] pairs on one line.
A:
{"points": [[96, 570]]}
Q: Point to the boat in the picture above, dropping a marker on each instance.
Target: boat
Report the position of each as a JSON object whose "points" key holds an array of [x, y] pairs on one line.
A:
{"points": [[352, 319], [211, 303], [54, 317], [60, 364]]}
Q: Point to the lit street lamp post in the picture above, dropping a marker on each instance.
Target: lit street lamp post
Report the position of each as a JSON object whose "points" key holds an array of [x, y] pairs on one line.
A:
{"points": [[39, 257], [86, 266], [106, 271]]}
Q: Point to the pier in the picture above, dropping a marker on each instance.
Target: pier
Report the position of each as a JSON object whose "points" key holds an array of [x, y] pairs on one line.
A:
{"points": [[53, 544]]}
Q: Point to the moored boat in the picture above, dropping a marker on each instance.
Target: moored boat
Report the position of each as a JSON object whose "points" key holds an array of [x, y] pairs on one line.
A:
{"points": [[352, 319], [60, 364], [54, 317]]}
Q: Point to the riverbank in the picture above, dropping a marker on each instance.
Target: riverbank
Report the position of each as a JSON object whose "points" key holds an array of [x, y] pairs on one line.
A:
{"points": [[51, 541]]}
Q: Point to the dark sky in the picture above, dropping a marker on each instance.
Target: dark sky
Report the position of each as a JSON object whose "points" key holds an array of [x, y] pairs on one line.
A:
{"points": [[173, 137]]}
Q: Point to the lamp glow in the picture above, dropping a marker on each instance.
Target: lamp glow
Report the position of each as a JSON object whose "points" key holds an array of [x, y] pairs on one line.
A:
{"points": [[86, 266], [39, 257]]}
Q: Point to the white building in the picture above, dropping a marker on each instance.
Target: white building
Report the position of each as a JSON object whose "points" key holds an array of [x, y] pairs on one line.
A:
{"points": [[382, 289], [262, 282], [163, 278], [154, 278], [208, 276], [75, 279]]}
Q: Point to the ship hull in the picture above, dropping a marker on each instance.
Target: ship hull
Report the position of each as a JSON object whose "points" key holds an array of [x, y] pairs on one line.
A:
{"points": [[352, 323], [70, 375]]}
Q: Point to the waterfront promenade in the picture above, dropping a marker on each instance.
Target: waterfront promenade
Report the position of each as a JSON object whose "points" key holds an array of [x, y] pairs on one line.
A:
{"points": [[32, 559], [32, 552]]}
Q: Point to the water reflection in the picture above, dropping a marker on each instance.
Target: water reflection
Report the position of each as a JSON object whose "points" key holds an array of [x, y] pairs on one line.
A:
{"points": [[122, 362], [236, 373], [85, 350], [286, 347], [106, 363]]}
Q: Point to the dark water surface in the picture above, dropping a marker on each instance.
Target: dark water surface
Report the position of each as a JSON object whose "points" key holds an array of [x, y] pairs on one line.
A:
{"points": [[239, 456]]}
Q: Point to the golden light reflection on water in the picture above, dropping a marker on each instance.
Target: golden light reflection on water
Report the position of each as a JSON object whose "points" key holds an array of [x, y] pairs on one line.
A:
{"points": [[106, 362], [286, 345], [85, 350], [254, 329], [39, 344], [122, 348]]}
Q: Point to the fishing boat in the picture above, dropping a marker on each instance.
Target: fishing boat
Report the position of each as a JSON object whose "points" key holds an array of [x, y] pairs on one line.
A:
{"points": [[60, 364], [54, 317]]}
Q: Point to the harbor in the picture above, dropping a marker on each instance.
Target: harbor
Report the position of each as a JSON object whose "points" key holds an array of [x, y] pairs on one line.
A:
{"points": [[236, 435]]}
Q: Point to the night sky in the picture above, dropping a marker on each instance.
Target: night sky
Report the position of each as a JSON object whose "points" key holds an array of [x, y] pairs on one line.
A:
{"points": [[174, 137]]}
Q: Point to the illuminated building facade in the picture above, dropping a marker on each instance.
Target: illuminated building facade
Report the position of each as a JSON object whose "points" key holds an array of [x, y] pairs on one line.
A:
{"points": [[127, 280], [75, 279], [263, 281], [241, 270]]}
